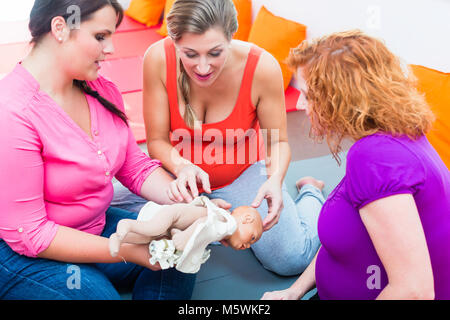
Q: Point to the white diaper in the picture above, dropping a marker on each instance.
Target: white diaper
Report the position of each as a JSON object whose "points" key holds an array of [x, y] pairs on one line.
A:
{"points": [[147, 211], [164, 252], [217, 226]]}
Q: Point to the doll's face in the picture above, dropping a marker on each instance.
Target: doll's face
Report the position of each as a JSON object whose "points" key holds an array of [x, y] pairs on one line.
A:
{"points": [[249, 228]]}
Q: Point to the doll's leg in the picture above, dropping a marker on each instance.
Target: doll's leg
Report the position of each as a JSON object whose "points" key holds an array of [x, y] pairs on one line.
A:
{"points": [[133, 231], [115, 241], [179, 216], [181, 238]]}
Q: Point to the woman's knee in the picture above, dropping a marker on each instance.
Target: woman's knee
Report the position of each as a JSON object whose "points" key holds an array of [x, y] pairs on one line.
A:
{"points": [[286, 264], [287, 258]]}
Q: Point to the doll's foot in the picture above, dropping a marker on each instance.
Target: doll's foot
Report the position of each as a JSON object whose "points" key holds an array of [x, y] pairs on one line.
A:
{"points": [[179, 239], [174, 231], [319, 184], [114, 244], [123, 227]]}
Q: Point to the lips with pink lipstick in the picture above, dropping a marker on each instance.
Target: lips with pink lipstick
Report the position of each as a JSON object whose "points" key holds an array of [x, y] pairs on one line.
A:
{"points": [[203, 77]]}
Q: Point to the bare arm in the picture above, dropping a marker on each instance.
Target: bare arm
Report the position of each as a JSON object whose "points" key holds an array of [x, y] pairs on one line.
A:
{"points": [[268, 86], [271, 112], [71, 245], [153, 188], [156, 110], [394, 226]]}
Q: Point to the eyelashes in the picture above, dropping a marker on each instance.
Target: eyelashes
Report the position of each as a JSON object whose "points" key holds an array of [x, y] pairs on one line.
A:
{"points": [[213, 54], [100, 37]]}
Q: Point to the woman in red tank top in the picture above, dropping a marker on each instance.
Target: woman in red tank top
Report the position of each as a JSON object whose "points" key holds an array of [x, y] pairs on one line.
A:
{"points": [[215, 117], [206, 97]]}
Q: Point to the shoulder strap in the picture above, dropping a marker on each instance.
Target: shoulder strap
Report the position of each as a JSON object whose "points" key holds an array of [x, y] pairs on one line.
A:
{"points": [[171, 73], [252, 61], [247, 80]]}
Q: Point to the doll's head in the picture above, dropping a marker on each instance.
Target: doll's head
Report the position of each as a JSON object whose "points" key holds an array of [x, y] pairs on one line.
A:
{"points": [[249, 228]]}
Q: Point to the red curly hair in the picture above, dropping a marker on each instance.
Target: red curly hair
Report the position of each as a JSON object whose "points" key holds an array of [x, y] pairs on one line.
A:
{"points": [[357, 87]]}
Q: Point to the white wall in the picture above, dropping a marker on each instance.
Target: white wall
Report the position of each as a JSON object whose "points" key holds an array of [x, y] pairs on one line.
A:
{"points": [[125, 3], [418, 31]]}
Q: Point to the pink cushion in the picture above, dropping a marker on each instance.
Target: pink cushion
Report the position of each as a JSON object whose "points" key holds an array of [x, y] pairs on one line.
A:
{"points": [[133, 110], [134, 43], [125, 73]]}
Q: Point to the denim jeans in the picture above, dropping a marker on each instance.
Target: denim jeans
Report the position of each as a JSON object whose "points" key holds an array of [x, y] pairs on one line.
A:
{"points": [[289, 246], [28, 278]]}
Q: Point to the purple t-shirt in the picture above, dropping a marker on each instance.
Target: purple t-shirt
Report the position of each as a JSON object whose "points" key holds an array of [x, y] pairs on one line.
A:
{"points": [[379, 166]]}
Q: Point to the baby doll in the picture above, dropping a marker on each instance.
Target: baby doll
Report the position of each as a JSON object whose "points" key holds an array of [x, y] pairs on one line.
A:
{"points": [[191, 228]]}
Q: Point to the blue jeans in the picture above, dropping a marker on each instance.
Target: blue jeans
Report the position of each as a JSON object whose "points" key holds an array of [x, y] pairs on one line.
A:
{"points": [[28, 278], [289, 246]]}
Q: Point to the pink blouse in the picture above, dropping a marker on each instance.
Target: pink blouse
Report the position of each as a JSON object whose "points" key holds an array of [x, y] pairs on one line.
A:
{"points": [[52, 172]]}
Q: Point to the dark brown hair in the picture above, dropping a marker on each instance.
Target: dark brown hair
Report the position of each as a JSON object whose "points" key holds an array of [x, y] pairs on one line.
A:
{"points": [[44, 11]]}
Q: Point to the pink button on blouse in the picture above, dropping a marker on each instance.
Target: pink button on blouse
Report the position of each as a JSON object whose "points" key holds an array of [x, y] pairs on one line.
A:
{"points": [[53, 173]]}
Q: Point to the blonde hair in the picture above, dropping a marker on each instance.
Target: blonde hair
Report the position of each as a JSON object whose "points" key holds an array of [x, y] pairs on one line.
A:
{"points": [[357, 87], [198, 16]]}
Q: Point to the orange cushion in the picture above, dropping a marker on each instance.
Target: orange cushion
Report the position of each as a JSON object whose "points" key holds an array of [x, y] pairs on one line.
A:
{"points": [[147, 12], [277, 35], [244, 17], [436, 87], [163, 30]]}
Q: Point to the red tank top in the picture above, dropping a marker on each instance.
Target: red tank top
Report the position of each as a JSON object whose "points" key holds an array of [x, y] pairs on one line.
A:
{"points": [[222, 149]]}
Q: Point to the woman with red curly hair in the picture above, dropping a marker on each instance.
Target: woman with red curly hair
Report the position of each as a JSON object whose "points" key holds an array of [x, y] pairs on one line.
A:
{"points": [[385, 229]]}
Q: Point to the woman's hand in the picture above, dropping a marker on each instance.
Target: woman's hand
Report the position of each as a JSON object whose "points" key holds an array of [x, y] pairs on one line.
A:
{"points": [[271, 191], [287, 294], [188, 177]]}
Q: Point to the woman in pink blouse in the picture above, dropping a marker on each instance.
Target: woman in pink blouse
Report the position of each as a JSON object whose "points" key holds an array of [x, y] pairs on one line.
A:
{"points": [[63, 137]]}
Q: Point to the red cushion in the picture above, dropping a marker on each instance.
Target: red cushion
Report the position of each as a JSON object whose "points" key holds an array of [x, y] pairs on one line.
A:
{"points": [[291, 97]]}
